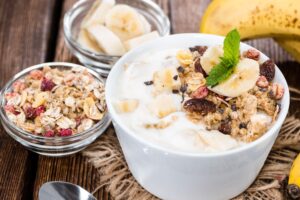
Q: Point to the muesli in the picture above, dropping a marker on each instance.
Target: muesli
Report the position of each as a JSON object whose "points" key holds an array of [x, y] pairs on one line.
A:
{"points": [[56, 102], [203, 98]]}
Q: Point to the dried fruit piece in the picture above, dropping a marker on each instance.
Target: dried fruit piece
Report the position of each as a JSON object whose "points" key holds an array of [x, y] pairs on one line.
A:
{"points": [[65, 132], [225, 127], [11, 109], [36, 74], [201, 106], [252, 54], [200, 93], [262, 82], [127, 105], [39, 110], [267, 69], [277, 91], [90, 109], [47, 84], [184, 57], [49, 133], [199, 49]]}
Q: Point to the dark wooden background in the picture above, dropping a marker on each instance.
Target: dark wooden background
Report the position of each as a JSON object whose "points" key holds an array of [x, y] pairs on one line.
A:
{"points": [[31, 33]]}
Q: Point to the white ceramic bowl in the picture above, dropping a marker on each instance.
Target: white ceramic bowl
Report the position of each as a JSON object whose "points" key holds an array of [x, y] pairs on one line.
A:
{"points": [[176, 175]]}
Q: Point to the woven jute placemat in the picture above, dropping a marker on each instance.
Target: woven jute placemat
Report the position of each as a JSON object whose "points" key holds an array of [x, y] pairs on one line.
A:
{"points": [[106, 156]]}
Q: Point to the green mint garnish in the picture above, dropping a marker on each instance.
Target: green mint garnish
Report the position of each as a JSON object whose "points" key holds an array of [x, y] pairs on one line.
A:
{"points": [[230, 59]]}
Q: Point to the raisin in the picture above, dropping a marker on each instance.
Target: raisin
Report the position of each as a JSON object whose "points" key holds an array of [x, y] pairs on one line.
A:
{"points": [[198, 67], [47, 84], [200, 49], [174, 91], [175, 77], [148, 82], [242, 125], [180, 69], [267, 69], [233, 107], [225, 127], [201, 106]]}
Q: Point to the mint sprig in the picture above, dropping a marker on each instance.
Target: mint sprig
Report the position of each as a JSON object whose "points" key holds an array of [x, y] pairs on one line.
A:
{"points": [[230, 59]]}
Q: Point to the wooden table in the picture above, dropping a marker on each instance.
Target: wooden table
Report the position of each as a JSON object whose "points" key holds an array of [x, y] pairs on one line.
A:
{"points": [[31, 33]]}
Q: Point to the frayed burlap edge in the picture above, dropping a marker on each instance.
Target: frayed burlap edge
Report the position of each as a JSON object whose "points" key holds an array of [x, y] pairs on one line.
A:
{"points": [[106, 156]]}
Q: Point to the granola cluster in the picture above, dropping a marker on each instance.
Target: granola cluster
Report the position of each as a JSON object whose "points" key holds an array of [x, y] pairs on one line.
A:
{"points": [[233, 116], [56, 102]]}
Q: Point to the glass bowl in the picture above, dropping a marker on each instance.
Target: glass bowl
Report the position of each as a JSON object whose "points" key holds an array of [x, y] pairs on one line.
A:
{"points": [[51, 146], [102, 63]]}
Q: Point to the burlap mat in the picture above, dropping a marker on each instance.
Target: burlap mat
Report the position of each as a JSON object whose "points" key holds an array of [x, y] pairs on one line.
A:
{"points": [[106, 156]]}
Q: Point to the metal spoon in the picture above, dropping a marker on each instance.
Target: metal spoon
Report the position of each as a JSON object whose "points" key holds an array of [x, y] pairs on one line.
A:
{"points": [[60, 190]]}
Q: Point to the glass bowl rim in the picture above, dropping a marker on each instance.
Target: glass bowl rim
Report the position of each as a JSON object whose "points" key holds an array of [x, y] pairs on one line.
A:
{"points": [[103, 122]]}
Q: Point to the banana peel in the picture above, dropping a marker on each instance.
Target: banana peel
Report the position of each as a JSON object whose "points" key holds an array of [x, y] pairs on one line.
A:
{"points": [[253, 19], [290, 45], [293, 187]]}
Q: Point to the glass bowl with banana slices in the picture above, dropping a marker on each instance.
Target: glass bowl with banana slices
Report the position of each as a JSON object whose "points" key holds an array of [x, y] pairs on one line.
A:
{"points": [[99, 32]]}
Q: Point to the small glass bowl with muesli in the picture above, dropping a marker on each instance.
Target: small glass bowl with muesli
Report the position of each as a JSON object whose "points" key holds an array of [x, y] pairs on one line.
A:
{"points": [[54, 109], [196, 114]]}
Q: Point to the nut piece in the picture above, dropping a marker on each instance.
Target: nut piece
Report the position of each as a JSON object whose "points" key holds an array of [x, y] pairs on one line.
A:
{"points": [[200, 93], [128, 105], [185, 58], [262, 82], [201, 106], [267, 69], [277, 91], [252, 54]]}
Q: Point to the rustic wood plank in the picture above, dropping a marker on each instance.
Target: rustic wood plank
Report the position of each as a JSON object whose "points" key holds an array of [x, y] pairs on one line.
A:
{"points": [[24, 41]]}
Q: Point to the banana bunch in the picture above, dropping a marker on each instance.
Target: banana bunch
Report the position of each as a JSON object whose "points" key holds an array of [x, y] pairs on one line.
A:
{"points": [[293, 188], [113, 29], [256, 19]]}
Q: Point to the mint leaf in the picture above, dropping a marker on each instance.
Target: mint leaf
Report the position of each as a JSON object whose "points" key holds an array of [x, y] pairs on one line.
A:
{"points": [[230, 59]]}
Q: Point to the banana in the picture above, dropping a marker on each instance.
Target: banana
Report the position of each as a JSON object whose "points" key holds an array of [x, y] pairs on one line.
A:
{"points": [[290, 45], [211, 57], [294, 179], [253, 19], [134, 42], [85, 41], [106, 39], [126, 22], [163, 105], [165, 80], [127, 105], [243, 79], [97, 12]]}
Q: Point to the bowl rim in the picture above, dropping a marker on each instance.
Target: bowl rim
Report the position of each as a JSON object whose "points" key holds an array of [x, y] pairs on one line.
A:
{"points": [[68, 33], [102, 123], [185, 36]]}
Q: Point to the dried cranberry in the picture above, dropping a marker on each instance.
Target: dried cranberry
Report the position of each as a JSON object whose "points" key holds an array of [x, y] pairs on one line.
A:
{"points": [[200, 49], [198, 68], [225, 127], [252, 54], [30, 112], [65, 132], [47, 84], [267, 69], [11, 109], [201, 106], [40, 110], [49, 133], [200, 93]]}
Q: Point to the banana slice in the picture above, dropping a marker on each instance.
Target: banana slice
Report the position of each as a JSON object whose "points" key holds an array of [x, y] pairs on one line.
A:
{"points": [[106, 39], [85, 41], [128, 105], [125, 22], [97, 12], [166, 80], [134, 42], [243, 79], [211, 57], [164, 104]]}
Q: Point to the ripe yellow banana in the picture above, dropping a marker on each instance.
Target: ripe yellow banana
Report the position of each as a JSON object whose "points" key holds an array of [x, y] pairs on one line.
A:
{"points": [[294, 179], [290, 45], [253, 19]]}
